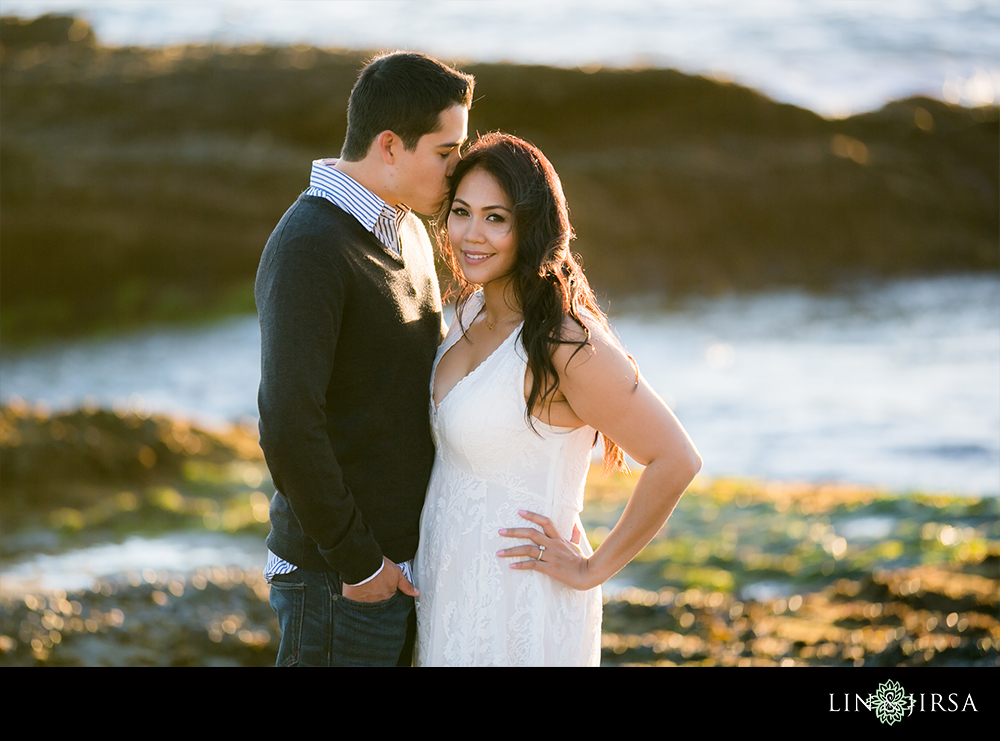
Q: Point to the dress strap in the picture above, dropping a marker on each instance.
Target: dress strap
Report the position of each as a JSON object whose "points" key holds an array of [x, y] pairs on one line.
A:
{"points": [[464, 316], [468, 311]]}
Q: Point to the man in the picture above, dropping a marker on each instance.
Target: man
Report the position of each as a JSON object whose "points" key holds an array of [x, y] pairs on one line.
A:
{"points": [[350, 318]]}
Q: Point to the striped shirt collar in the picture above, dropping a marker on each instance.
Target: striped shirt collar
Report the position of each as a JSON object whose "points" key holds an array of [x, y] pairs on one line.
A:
{"points": [[374, 214]]}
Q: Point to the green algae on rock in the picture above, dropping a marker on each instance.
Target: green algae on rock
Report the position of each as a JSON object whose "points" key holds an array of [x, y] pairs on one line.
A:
{"points": [[744, 573], [95, 473], [142, 183]]}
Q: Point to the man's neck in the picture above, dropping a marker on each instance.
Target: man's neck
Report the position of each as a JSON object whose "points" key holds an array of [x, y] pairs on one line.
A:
{"points": [[365, 175]]}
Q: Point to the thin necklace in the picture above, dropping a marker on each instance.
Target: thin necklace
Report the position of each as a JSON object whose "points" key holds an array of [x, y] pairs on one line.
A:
{"points": [[491, 325]]}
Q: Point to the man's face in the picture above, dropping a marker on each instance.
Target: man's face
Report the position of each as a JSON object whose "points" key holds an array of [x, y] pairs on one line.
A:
{"points": [[421, 176]]}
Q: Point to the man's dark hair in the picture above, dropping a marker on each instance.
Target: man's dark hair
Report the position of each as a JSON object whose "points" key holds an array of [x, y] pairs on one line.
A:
{"points": [[403, 92]]}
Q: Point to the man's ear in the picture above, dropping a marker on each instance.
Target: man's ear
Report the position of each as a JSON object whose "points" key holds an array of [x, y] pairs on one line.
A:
{"points": [[388, 146]]}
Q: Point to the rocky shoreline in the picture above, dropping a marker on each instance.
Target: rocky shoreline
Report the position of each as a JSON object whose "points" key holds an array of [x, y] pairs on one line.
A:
{"points": [[141, 184], [926, 616], [745, 573], [923, 616]]}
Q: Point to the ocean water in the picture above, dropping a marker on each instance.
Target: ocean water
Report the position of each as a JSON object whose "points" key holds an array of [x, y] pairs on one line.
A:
{"points": [[835, 57], [895, 384]]}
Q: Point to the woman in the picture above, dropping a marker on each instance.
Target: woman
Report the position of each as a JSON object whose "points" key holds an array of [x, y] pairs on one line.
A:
{"points": [[528, 375]]}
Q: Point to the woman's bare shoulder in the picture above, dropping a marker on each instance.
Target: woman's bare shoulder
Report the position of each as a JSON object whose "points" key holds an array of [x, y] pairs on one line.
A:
{"points": [[581, 343]]}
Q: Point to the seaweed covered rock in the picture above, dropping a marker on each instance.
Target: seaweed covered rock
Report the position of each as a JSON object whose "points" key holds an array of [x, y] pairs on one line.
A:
{"points": [[46, 31], [143, 183], [76, 458], [923, 616]]}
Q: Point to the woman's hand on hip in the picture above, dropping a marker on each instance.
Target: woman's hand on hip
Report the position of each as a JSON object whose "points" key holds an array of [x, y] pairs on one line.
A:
{"points": [[550, 553]]}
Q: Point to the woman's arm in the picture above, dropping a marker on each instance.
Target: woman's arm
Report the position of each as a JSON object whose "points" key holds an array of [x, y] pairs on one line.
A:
{"points": [[599, 383]]}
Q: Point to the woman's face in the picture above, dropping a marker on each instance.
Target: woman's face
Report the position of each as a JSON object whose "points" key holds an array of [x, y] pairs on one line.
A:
{"points": [[481, 229]]}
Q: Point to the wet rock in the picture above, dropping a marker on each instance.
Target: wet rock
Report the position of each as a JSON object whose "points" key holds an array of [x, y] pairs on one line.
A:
{"points": [[212, 617], [45, 31], [77, 468], [954, 622], [928, 594], [143, 183]]}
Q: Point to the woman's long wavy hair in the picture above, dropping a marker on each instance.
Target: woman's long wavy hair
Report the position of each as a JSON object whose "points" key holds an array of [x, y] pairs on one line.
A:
{"points": [[547, 282]]}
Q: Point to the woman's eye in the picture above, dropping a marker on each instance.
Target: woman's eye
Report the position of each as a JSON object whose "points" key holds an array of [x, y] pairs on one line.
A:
{"points": [[459, 211], [496, 218]]}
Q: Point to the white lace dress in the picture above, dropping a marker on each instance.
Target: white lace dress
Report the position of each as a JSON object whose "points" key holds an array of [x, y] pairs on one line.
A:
{"points": [[473, 609]]}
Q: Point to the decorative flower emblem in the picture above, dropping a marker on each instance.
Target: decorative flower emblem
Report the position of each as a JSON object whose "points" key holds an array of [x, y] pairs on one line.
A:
{"points": [[890, 702]]}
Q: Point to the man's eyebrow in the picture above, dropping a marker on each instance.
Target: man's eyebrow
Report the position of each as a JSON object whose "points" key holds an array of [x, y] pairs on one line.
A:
{"points": [[451, 145]]}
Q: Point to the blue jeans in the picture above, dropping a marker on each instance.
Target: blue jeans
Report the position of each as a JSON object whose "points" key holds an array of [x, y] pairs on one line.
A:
{"points": [[320, 627]]}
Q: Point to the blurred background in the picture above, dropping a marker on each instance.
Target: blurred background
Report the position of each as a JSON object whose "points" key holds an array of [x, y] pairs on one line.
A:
{"points": [[790, 210]]}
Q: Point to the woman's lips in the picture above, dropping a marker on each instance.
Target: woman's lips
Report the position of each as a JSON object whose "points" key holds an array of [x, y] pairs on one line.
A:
{"points": [[476, 257]]}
